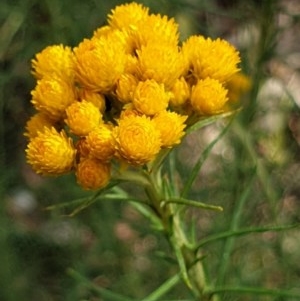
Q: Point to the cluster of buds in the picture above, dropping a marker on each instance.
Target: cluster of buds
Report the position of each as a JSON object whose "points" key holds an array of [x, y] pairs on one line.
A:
{"points": [[120, 97]]}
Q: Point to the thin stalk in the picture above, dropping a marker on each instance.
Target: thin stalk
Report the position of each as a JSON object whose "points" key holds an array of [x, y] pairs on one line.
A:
{"points": [[191, 268]]}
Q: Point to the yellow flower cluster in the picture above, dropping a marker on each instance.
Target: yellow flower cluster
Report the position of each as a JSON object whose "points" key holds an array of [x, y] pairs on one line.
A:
{"points": [[123, 94]]}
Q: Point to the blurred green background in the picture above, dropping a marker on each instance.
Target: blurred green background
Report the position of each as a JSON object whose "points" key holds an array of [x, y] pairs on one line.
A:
{"points": [[253, 171]]}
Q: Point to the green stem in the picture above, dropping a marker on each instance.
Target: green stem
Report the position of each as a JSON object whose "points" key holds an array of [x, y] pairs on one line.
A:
{"points": [[191, 268]]}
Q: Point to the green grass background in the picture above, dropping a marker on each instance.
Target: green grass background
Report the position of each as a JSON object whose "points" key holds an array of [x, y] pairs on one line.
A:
{"points": [[253, 171]]}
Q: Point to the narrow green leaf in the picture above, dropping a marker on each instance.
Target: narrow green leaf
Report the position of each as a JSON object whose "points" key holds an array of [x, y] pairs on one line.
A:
{"points": [[163, 289], [83, 202], [149, 214], [218, 236], [94, 198], [107, 294], [195, 171], [182, 265], [193, 203], [208, 120], [253, 291]]}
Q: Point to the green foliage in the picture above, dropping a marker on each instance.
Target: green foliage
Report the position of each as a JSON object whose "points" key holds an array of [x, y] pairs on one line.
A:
{"points": [[248, 166]]}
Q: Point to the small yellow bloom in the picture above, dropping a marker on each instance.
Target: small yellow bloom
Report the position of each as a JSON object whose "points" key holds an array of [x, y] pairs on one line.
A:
{"points": [[37, 123], [180, 92], [100, 62], [51, 152], [121, 36], [137, 139], [82, 117], [127, 15], [131, 64], [55, 59], [102, 31], [216, 59], [150, 97], [101, 143], [125, 87], [92, 174], [155, 29], [82, 149], [208, 97], [52, 95], [171, 127], [97, 99], [129, 110], [161, 62]]}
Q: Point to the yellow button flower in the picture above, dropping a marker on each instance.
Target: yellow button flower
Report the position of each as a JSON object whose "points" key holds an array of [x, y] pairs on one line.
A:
{"points": [[100, 62], [97, 99], [171, 127], [155, 29], [150, 97], [37, 123], [92, 174], [129, 110], [101, 143], [208, 97], [161, 62], [180, 92], [125, 87], [82, 149], [52, 95], [205, 57], [127, 15], [137, 139], [55, 59], [82, 117], [50, 152]]}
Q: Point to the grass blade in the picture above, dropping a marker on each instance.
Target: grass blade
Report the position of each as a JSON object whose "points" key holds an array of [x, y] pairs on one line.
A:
{"points": [[201, 160], [163, 289], [241, 232]]}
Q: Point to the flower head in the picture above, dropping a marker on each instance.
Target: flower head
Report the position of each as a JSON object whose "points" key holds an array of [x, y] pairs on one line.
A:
{"points": [[180, 92], [82, 149], [51, 152], [92, 174], [127, 15], [125, 87], [36, 123], [155, 29], [208, 97], [100, 62], [170, 126], [97, 99], [161, 62], [210, 58], [101, 143], [137, 139], [52, 95], [55, 59], [150, 97], [82, 117]]}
